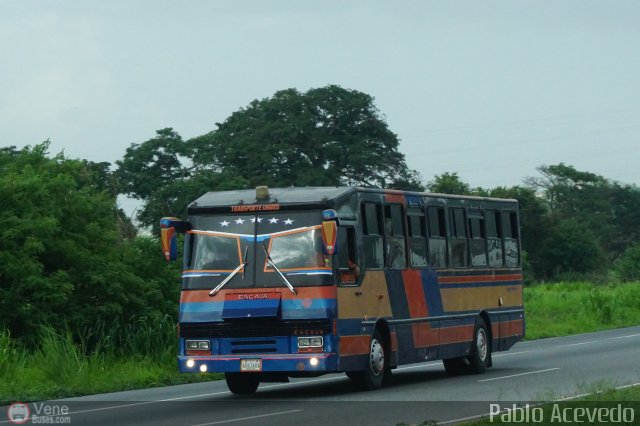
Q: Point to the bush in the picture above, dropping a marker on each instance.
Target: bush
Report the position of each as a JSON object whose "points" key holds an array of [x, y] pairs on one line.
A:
{"points": [[628, 266]]}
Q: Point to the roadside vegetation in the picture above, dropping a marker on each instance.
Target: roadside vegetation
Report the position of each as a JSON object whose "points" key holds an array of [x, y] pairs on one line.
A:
{"points": [[88, 304], [565, 308], [131, 356]]}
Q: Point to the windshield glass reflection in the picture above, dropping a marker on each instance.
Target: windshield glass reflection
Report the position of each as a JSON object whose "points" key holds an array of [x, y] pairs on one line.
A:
{"points": [[299, 251]]}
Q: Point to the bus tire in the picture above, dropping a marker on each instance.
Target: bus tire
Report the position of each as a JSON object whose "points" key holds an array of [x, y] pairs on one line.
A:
{"points": [[374, 375], [242, 383], [480, 354]]}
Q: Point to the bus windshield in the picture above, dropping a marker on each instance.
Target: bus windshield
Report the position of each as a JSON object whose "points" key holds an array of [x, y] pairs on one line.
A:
{"points": [[217, 243], [298, 250]]}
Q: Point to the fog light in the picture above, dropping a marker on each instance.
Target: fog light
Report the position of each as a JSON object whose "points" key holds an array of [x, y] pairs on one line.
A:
{"points": [[313, 362], [190, 363], [203, 368]]}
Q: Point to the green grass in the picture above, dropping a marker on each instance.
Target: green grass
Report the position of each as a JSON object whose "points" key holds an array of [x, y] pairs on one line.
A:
{"points": [[60, 367], [566, 308]]}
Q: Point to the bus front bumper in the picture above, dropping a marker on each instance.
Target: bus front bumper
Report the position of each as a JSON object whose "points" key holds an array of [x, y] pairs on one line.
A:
{"points": [[294, 363]]}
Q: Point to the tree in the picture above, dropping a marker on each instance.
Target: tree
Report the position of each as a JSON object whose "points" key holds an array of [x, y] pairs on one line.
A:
{"points": [[325, 136], [449, 183], [153, 164], [627, 267], [62, 261], [161, 173], [571, 248]]}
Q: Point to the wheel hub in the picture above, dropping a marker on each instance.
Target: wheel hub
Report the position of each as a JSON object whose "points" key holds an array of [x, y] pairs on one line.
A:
{"points": [[481, 344], [376, 357]]}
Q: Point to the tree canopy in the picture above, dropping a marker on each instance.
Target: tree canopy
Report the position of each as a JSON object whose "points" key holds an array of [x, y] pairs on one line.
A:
{"points": [[62, 260], [325, 136]]}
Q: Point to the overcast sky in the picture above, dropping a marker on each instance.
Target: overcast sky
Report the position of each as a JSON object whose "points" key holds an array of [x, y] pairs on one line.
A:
{"points": [[488, 89]]}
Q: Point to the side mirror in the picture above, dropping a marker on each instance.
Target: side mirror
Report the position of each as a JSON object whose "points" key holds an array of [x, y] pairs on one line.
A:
{"points": [[169, 227], [330, 232]]}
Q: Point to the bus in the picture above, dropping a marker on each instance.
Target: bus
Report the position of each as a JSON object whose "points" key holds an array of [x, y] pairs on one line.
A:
{"points": [[280, 283]]}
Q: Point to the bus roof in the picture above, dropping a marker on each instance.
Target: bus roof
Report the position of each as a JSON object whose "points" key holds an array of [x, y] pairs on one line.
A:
{"points": [[297, 195], [308, 195]]}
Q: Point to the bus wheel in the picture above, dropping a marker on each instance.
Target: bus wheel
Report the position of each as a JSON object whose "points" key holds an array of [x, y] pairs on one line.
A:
{"points": [[480, 348], [374, 375], [242, 383]]}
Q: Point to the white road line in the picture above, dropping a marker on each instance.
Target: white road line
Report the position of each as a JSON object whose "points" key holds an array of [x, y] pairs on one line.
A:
{"points": [[509, 354], [238, 419], [624, 337], [521, 374], [575, 344], [569, 398]]}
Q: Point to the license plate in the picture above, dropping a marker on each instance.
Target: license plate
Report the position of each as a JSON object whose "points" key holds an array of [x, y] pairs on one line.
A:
{"points": [[250, 365]]}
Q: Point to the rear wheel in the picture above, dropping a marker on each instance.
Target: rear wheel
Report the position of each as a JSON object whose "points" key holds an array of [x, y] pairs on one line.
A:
{"points": [[242, 383], [480, 349], [374, 375]]}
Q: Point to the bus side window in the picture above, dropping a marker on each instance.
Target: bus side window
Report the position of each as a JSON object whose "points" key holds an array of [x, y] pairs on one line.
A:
{"points": [[346, 253], [417, 237], [437, 237], [372, 238], [494, 238], [394, 234], [459, 251], [510, 231], [477, 241]]}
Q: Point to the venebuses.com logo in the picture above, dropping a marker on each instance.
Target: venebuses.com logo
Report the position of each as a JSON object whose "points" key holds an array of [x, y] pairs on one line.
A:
{"points": [[40, 413], [18, 413]]}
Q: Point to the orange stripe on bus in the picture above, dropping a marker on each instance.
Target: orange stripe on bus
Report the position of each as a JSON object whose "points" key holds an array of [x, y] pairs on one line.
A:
{"points": [[424, 335], [415, 294], [456, 334], [479, 278], [393, 198], [354, 345], [394, 342], [324, 292]]}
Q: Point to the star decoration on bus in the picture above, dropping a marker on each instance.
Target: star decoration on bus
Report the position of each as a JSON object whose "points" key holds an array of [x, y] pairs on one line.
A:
{"points": [[288, 222], [253, 220], [224, 223], [239, 221], [273, 220]]}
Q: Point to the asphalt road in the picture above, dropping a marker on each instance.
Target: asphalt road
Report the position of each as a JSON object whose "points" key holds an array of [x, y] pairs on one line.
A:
{"points": [[541, 370]]}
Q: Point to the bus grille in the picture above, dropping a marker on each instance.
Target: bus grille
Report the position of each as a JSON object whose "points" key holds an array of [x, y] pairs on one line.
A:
{"points": [[255, 328]]}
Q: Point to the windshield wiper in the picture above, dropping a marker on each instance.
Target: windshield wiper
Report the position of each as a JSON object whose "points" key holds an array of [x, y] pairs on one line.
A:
{"points": [[232, 274], [273, 265]]}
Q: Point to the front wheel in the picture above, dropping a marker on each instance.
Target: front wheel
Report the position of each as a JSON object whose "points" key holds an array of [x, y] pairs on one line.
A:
{"points": [[242, 383], [373, 377], [480, 349]]}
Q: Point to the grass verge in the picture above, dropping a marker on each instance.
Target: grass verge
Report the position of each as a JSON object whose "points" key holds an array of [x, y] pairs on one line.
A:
{"points": [[60, 367], [561, 309]]}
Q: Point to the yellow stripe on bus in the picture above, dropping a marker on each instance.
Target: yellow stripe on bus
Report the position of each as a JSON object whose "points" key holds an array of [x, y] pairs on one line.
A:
{"points": [[477, 298], [370, 300]]}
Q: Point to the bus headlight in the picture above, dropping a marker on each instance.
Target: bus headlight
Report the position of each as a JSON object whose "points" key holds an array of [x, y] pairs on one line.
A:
{"points": [[195, 345], [190, 363], [310, 342]]}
